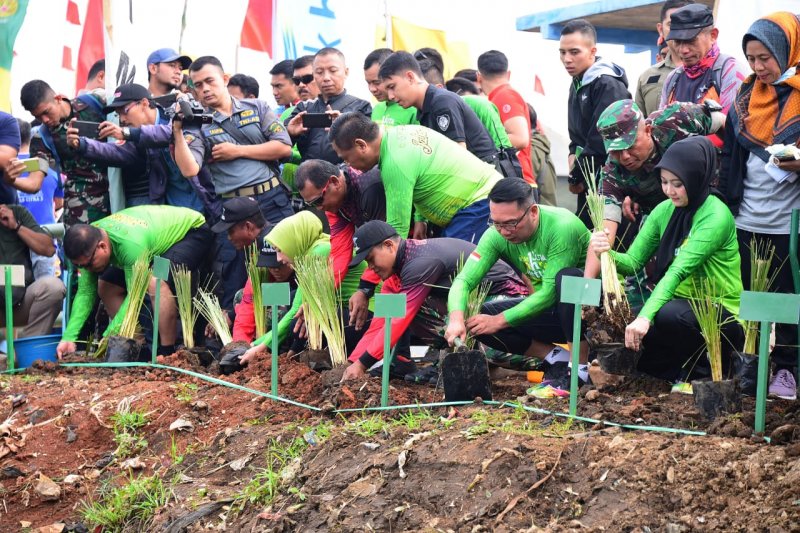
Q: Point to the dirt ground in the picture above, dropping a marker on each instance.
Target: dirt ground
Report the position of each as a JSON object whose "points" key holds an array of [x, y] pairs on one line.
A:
{"points": [[474, 468]]}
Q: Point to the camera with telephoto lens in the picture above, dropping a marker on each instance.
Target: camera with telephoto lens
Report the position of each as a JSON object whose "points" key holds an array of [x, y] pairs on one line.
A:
{"points": [[191, 113]]}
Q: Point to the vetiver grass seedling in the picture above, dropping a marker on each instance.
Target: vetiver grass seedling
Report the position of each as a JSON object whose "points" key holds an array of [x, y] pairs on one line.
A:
{"points": [[127, 508]]}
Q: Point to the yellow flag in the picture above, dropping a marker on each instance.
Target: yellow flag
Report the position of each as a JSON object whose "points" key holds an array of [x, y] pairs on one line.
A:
{"points": [[410, 37]]}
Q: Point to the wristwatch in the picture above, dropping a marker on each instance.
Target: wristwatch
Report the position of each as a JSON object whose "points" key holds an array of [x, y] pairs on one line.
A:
{"points": [[711, 106], [126, 133], [19, 225], [368, 291]]}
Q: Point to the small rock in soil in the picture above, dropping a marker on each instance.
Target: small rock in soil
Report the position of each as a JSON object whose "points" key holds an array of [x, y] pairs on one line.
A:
{"points": [[785, 434], [10, 472], [36, 416], [71, 435], [104, 461], [181, 424], [76, 527], [199, 405], [592, 395], [18, 399], [133, 463], [72, 479], [47, 489]]}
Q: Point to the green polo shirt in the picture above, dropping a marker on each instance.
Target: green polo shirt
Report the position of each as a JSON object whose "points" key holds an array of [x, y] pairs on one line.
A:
{"points": [[146, 230], [423, 169]]}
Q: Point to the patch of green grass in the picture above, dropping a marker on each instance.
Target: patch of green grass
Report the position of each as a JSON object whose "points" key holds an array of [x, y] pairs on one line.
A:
{"points": [[128, 507], [516, 422], [30, 378], [265, 485], [414, 419], [366, 426], [126, 425], [185, 392]]}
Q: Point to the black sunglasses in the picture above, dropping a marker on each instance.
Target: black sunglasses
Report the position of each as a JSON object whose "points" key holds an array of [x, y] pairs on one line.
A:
{"points": [[305, 80]]}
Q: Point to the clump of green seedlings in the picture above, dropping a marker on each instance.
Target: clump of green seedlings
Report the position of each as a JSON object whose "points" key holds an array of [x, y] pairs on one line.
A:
{"points": [[185, 392], [366, 426], [761, 257], [208, 305], [187, 312], [126, 425], [129, 507], [137, 289], [266, 485], [707, 308], [321, 301], [257, 275]]}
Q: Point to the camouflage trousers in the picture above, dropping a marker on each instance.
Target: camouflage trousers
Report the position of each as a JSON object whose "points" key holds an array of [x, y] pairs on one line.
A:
{"points": [[431, 322], [85, 209]]}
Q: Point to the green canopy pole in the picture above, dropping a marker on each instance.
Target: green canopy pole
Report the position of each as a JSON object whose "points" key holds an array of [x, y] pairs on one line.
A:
{"points": [[9, 319], [761, 386], [577, 291], [795, 264], [388, 306], [161, 273], [275, 295]]}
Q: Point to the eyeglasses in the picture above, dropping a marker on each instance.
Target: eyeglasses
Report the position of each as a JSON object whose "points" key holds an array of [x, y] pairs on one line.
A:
{"points": [[125, 110], [316, 202], [88, 263], [509, 226], [305, 80]]}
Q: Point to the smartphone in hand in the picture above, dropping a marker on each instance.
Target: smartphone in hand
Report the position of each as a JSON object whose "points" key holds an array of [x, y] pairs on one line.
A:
{"points": [[36, 164], [90, 130], [317, 120]]}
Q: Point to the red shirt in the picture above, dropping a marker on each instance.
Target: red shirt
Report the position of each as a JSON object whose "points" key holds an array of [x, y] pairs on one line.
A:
{"points": [[510, 104]]}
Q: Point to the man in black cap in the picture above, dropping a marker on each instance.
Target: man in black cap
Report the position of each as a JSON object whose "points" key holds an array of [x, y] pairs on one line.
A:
{"points": [[243, 222], [426, 269], [165, 69], [706, 73], [149, 174]]}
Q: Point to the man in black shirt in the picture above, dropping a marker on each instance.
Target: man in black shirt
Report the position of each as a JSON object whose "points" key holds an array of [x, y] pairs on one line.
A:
{"points": [[439, 109], [330, 73]]}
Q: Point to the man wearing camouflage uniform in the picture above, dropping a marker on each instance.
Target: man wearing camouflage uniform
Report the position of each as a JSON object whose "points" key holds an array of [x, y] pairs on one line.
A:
{"points": [[629, 180], [86, 197]]}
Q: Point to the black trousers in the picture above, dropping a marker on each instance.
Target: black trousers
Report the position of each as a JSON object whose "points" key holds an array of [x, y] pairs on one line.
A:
{"points": [[553, 325], [784, 355]]}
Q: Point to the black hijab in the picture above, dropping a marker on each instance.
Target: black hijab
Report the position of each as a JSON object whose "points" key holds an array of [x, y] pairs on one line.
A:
{"points": [[693, 161]]}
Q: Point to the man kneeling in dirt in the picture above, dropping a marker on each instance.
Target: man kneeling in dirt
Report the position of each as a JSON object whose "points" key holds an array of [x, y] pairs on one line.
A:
{"points": [[425, 269], [106, 250], [538, 241]]}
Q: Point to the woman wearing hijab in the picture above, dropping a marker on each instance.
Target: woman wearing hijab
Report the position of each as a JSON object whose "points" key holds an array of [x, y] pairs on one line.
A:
{"points": [[293, 237], [767, 112], [693, 237]]}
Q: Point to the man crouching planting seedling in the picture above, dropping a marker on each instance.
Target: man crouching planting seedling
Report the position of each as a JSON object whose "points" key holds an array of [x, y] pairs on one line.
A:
{"points": [[293, 241], [425, 269], [177, 234]]}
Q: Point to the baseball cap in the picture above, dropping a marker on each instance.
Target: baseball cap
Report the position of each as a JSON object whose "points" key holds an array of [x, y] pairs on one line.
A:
{"points": [[234, 211], [125, 94], [168, 55], [618, 124], [368, 236], [688, 21], [268, 257]]}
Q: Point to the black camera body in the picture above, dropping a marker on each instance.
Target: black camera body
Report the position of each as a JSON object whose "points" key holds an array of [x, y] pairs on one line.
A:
{"points": [[192, 113]]}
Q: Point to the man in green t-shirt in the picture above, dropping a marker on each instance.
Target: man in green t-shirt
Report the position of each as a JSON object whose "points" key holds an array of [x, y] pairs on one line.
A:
{"points": [[386, 112], [175, 233], [423, 169], [539, 242]]}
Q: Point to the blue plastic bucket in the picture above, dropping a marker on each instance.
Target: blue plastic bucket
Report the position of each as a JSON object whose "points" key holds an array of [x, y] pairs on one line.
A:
{"points": [[30, 349]]}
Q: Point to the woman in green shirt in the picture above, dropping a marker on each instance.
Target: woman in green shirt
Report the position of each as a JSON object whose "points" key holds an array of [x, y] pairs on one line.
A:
{"points": [[693, 237], [298, 235]]}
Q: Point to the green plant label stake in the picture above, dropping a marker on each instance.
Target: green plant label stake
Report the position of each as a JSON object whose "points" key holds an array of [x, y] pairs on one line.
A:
{"points": [[161, 273], [767, 308], [388, 306], [14, 277], [578, 291], [275, 295]]}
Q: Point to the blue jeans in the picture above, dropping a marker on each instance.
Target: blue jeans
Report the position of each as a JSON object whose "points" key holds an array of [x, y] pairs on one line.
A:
{"points": [[469, 223]]}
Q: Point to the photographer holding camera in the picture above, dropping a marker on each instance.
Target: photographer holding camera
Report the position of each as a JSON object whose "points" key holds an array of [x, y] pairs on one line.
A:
{"points": [[164, 183], [241, 142]]}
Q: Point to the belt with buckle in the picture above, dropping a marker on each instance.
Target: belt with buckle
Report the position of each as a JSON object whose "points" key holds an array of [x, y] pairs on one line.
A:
{"points": [[253, 189]]}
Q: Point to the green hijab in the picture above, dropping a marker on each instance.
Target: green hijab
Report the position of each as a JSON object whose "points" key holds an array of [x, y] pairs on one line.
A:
{"points": [[297, 235]]}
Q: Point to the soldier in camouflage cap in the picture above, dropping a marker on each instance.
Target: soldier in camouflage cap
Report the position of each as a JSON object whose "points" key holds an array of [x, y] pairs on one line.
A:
{"points": [[635, 144]]}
